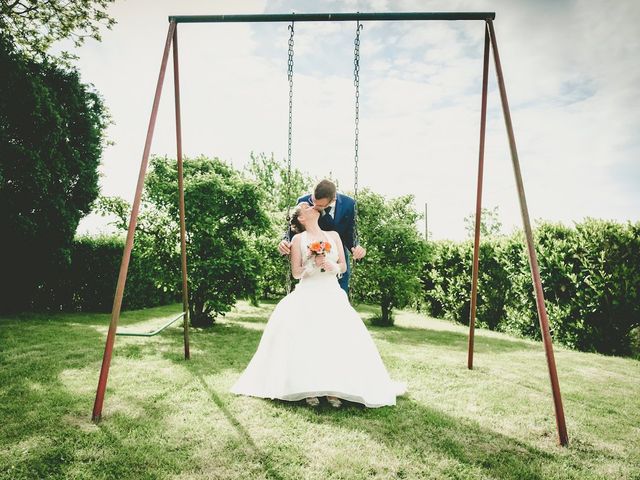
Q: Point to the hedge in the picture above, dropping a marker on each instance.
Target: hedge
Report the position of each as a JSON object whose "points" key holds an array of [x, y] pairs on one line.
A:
{"points": [[590, 275], [89, 282]]}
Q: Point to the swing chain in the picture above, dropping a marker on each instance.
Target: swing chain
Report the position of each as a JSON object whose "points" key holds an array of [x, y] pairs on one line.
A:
{"points": [[356, 83], [290, 136], [290, 139]]}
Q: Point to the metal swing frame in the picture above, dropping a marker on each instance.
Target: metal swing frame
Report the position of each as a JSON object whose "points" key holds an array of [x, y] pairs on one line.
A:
{"points": [[490, 43]]}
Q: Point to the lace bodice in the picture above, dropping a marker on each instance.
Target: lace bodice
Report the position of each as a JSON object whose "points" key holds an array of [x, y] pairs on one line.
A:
{"points": [[308, 260]]}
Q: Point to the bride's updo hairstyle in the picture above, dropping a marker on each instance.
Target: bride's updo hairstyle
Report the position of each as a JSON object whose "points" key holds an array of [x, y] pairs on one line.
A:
{"points": [[296, 226]]}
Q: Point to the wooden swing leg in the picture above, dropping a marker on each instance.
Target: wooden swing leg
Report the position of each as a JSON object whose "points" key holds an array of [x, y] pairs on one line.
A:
{"points": [[183, 228], [476, 242], [122, 277], [563, 438]]}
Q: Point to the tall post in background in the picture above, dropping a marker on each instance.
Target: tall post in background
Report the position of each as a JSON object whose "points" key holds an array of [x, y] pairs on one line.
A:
{"points": [[124, 266], [426, 222], [563, 438], [183, 228], [478, 222]]}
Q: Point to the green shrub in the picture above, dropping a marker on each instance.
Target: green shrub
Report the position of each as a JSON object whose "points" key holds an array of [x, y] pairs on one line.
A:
{"points": [[590, 276], [520, 307], [389, 274], [493, 283], [446, 279], [447, 282], [89, 283]]}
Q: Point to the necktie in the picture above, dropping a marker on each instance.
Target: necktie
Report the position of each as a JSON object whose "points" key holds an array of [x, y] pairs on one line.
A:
{"points": [[327, 210]]}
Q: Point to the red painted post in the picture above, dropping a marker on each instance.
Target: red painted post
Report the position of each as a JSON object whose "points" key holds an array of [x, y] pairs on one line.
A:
{"points": [[476, 242], [122, 277], [563, 438], [183, 229]]}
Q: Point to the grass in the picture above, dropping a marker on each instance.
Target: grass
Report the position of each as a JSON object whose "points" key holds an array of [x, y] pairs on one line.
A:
{"points": [[168, 418]]}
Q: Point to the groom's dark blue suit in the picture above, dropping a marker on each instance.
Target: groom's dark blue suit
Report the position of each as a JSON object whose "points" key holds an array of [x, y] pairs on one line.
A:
{"points": [[343, 223]]}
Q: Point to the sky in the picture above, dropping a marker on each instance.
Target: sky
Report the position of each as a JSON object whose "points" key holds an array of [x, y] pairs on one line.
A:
{"points": [[572, 80]]}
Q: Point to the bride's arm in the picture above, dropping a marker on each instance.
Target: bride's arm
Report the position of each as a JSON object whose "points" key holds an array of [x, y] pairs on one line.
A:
{"points": [[342, 264], [298, 270]]}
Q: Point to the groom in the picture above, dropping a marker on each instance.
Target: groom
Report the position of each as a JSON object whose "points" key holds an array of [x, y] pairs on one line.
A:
{"points": [[337, 212]]}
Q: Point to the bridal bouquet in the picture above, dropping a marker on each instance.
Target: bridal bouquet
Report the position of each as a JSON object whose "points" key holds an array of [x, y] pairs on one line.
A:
{"points": [[319, 248]]}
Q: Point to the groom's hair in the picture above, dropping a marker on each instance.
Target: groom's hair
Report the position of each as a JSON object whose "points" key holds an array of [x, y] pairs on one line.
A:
{"points": [[325, 189]]}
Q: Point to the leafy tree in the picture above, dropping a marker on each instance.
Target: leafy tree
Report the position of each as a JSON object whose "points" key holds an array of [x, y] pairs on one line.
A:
{"points": [[34, 25], [490, 224], [389, 274], [272, 179], [51, 138], [224, 215]]}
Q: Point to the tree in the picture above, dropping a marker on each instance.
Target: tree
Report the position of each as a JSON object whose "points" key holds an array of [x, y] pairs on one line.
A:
{"points": [[34, 25], [51, 138], [272, 179], [224, 215], [390, 273], [490, 224]]}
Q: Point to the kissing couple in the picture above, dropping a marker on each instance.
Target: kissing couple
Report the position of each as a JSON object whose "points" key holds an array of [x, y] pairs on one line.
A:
{"points": [[315, 343]]}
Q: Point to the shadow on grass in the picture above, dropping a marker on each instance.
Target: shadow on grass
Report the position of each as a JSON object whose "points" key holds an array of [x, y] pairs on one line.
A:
{"points": [[225, 346], [454, 340], [408, 425], [407, 335], [264, 459], [38, 351], [46, 430], [425, 431]]}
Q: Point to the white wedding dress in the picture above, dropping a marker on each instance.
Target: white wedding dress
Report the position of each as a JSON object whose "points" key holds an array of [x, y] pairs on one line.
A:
{"points": [[315, 344]]}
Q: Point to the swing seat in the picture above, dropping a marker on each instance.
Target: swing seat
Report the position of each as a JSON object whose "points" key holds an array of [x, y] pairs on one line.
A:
{"points": [[153, 332]]}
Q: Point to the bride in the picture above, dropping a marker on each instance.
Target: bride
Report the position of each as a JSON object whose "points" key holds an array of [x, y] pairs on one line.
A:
{"points": [[315, 343]]}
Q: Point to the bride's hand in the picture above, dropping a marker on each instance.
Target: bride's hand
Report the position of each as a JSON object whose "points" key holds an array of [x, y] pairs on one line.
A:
{"points": [[319, 260], [329, 266]]}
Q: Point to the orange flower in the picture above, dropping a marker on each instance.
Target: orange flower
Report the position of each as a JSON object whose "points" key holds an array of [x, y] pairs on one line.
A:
{"points": [[316, 247], [319, 248]]}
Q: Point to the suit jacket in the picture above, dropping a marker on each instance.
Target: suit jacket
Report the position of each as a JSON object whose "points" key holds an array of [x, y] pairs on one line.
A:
{"points": [[343, 220]]}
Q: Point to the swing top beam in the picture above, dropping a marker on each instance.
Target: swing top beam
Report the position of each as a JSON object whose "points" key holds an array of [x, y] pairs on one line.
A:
{"points": [[332, 17]]}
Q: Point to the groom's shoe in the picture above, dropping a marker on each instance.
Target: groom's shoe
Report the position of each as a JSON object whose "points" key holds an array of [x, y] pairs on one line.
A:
{"points": [[312, 401], [334, 401]]}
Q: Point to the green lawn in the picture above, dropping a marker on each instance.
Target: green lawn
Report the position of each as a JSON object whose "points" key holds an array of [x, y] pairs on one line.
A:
{"points": [[167, 418]]}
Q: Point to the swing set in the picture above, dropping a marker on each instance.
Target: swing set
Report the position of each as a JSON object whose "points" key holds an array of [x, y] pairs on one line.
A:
{"points": [[490, 43]]}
